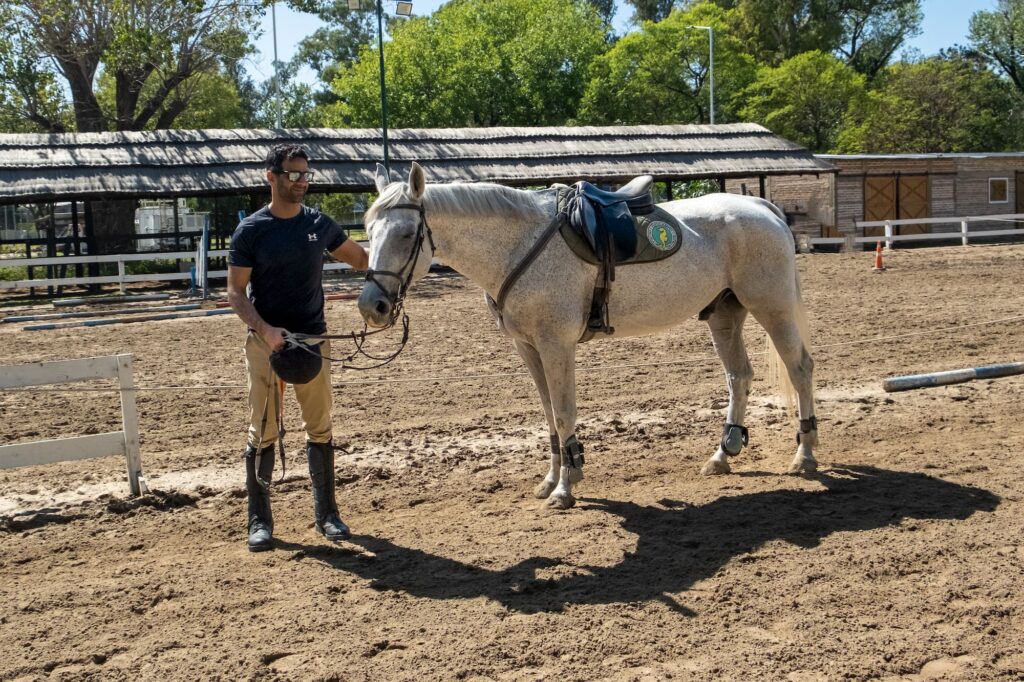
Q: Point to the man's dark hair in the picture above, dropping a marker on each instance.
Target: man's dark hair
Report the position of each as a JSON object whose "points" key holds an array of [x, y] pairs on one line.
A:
{"points": [[284, 152]]}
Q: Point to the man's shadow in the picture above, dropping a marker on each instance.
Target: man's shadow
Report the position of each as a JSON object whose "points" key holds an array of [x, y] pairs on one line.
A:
{"points": [[677, 544]]}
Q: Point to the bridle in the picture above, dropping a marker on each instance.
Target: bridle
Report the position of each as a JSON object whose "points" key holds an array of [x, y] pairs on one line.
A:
{"points": [[397, 301]]}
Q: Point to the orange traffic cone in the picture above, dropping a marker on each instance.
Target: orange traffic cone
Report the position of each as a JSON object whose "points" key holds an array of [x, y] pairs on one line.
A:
{"points": [[879, 266]]}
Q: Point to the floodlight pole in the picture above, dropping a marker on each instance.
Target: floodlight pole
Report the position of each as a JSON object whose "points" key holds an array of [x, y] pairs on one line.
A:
{"points": [[711, 62], [383, 91], [277, 74]]}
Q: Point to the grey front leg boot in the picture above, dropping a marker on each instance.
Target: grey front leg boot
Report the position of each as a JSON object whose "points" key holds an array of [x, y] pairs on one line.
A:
{"points": [[259, 469], [325, 508]]}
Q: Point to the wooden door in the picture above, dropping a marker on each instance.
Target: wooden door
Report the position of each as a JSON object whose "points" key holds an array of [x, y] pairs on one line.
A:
{"points": [[879, 201], [912, 199]]}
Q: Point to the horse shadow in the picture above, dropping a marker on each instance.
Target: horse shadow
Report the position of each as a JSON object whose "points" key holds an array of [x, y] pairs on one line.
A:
{"points": [[677, 544]]}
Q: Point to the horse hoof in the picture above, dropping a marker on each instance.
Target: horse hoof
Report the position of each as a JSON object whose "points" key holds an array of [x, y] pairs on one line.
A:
{"points": [[803, 466], [565, 501], [714, 467], [543, 489]]}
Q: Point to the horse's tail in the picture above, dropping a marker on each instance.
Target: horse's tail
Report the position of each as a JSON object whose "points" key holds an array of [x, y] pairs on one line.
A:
{"points": [[778, 376]]}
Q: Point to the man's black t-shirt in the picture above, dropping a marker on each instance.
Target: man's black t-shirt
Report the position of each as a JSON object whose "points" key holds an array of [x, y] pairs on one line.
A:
{"points": [[287, 261]]}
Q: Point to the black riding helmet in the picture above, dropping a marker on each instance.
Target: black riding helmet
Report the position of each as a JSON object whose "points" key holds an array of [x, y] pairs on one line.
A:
{"points": [[297, 363]]}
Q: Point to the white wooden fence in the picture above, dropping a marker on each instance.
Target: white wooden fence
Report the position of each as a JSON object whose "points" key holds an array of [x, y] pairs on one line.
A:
{"points": [[964, 234], [125, 441], [121, 278]]}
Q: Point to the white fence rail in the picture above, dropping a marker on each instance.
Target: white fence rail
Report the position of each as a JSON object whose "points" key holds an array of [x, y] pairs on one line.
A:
{"points": [[964, 233], [122, 278], [125, 441]]}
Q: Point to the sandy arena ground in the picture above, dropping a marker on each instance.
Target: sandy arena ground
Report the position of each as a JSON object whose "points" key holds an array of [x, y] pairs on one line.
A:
{"points": [[901, 560]]}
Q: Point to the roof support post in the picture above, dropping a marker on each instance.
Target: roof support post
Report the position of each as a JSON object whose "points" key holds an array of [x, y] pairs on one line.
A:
{"points": [[721, 183], [51, 245], [90, 243], [760, 179]]}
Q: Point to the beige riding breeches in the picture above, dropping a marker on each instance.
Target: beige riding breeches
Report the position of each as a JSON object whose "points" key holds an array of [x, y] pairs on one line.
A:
{"points": [[314, 398]]}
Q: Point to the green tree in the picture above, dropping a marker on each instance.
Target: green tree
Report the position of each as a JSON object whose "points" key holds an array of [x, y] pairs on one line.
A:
{"points": [[210, 100], [30, 98], [660, 74], [805, 99], [864, 33], [650, 10], [872, 31], [937, 105], [147, 47], [153, 53], [781, 29], [477, 63], [999, 37]]}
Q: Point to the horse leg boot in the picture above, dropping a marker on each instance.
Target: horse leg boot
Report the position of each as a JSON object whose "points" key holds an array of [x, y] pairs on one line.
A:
{"points": [[259, 469], [325, 507]]}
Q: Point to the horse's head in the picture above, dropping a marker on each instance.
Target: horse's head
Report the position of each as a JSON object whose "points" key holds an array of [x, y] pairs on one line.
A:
{"points": [[401, 246]]}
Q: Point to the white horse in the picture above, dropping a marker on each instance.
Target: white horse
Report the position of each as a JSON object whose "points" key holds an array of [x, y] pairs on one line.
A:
{"points": [[730, 243]]}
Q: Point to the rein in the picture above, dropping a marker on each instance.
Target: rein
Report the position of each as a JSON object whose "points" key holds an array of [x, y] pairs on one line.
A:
{"points": [[531, 255], [423, 233]]}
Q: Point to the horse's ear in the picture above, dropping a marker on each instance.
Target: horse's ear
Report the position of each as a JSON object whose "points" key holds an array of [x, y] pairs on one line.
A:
{"points": [[381, 179], [417, 181]]}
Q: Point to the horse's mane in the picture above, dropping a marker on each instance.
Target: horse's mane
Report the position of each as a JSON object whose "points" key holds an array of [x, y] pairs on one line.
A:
{"points": [[475, 199]]}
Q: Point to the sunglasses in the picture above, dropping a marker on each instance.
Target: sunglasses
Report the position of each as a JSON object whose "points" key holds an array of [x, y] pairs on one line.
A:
{"points": [[295, 176]]}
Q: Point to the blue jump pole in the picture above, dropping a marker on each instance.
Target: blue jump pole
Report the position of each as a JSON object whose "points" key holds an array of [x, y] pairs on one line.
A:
{"points": [[955, 376], [126, 320]]}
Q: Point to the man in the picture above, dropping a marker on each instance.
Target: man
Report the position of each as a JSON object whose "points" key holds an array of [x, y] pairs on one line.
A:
{"points": [[278, 253]]}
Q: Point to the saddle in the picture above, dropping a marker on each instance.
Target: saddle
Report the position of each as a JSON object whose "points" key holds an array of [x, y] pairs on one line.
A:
{"points": [[615, 228]]}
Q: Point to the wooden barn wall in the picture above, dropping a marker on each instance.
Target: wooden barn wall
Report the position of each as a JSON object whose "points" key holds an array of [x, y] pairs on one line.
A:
{"points": [[942, 189], [972, 188], [849, 203], [806, 199]]}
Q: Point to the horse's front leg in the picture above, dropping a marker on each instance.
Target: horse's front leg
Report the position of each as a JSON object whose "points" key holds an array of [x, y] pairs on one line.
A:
{"points": [[533, 363], [559, 362], [726, 324]]}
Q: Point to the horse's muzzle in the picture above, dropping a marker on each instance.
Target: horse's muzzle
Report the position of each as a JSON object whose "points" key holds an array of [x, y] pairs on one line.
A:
{"points": [[375, 306]]}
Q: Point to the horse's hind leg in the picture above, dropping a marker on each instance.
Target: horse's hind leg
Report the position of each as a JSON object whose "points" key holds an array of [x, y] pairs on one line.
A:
{"points": [[726, 324], [785, 333], [533, 363]]}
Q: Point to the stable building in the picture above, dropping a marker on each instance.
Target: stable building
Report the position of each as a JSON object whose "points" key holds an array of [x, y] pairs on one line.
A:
{"points": [[88, 184], [877, 187]]}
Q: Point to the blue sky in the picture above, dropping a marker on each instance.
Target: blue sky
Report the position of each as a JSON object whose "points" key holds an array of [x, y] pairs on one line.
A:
{"points": [[945, 24]]}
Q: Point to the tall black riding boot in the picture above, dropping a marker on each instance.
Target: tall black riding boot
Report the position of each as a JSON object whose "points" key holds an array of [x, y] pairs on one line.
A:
{"points": [[325, 508], [259, 469]]}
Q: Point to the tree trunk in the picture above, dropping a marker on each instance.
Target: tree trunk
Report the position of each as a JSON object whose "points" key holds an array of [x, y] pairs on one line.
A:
{"points": [[113, 224]]}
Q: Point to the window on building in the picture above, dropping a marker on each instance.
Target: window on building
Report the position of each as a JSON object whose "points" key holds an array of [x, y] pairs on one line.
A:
{"points": [[997, 190]]}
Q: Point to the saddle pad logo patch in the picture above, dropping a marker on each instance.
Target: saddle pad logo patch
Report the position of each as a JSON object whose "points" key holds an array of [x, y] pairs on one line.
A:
{"points": [[661, 236]]}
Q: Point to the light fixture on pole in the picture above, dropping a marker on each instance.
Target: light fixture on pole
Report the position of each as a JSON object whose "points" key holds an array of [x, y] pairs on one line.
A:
{"points": [[711, 62], [403, 8]]}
